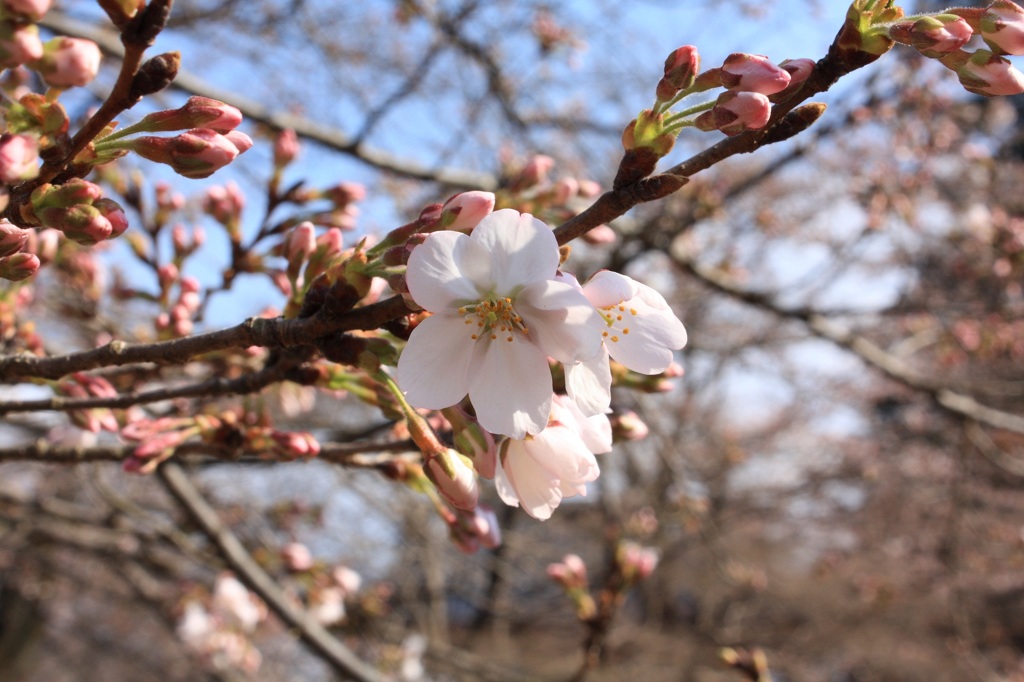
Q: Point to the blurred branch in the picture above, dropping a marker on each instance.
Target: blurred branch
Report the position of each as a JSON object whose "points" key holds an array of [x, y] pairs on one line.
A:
{"points": [[340, 657], [254, 111], [953, 401]]}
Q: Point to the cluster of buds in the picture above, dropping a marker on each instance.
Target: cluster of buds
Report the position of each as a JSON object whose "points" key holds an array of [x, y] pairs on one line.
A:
{"points": [[943, 36], [17, 261], [571, 575], [343, 197], [176, 322], [81, 385], [67, 62], [751, 84], [79, 210], [158, 438], [634, 563], [218, 626], [225, 203], [528, 189], [471, 530], [19, 36], [19, 158], [387, 259], [209, 141]]}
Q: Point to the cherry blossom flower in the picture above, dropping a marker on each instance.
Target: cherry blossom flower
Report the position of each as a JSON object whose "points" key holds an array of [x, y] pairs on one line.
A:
{"points": [[538, 472], [640, 331], [498, 314]]}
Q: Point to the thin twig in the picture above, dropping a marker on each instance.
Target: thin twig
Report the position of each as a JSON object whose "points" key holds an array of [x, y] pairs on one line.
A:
{"points": [[328, 647]]}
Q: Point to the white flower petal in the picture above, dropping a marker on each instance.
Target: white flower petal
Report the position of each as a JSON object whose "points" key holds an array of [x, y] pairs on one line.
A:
{"points": [[594, 430], [561, 320], [607, 288], [522, 249], [446, 271], [510, 386], [536, 489], [653, 335], [433, 368], [589, 384]]}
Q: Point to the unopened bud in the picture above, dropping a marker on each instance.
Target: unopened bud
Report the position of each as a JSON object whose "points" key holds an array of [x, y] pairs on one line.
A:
{"points": [[464, 211], [286, 147], [933, 36], [195, 154], [29, 10], [12, 238], [19, 158], [19, 266], [19, 44], [1002, 27], [473, 441], [743, 72], [736, 112], [988, 74], [197, 112], [453, 478], [681, 67], [68, 62]]}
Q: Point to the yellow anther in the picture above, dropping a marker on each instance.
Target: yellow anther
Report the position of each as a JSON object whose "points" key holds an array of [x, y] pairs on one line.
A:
{"points": [[615, 338]]}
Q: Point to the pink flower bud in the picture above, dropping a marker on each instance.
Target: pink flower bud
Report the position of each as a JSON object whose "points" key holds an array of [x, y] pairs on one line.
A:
{"points": [[296, 443], [990, 75], [347, 579], [43, 243], [753, 73], [167, 274], [19, 158], [299, 245], [589, 188], [29, 10], [78, 209], [681, 68], [933, 36], [68, 62], [1002, 27], [197, 112], [533, 173], [114, 215], [453, 478], [736, 112], [19, 44], [602, 234], [629, 426], [473, 441], [799, 70], [286, 147], [297, 557], [571, 573], [465, 210], [19, 266], [12, 238], [635, 562], [485, 523], [195, 154], [565, 190], [345, 193], [224, 203]]}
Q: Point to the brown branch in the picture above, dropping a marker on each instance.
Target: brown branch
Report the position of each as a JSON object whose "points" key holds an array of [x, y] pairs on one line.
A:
{"points": [[355, 455], [340, 657], [268, 333], [249, 383]]}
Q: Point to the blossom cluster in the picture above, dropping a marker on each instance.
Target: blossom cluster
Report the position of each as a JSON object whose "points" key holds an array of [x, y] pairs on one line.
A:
{"points": [[500, 310], [944, 36]]}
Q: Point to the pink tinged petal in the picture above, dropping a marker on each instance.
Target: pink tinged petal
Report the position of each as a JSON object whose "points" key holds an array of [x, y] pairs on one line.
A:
{"points": [[589, 384], [522, 249], [561, 320], [566, 456], [434, 367], [523, 481], [595, 431], [609, 288], [444, 271], [648, 347], [510, 386]]}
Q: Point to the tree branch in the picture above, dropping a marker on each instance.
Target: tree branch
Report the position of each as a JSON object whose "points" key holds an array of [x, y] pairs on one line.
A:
{"points": [[328, 647]]}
